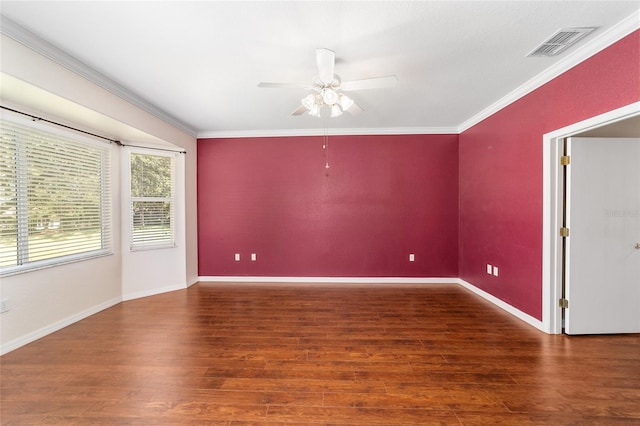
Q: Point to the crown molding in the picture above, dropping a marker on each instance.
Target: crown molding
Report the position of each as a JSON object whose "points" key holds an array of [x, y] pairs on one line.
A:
{"points": [[599, 43], [57, 55], [329, 132], [48, 50]]}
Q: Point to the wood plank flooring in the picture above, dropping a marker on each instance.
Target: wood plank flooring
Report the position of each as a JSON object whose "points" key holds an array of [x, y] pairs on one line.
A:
{"points": [[264, 354]]}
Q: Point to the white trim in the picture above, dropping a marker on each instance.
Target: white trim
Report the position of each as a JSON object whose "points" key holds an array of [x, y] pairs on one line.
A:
{"points": [[503, 305], [596, 45], [551, 283], [52, 328], [31, 337], [551, 219], [330, 132], [344, 280], [380, 280], [155, 244], [152, 292], [49, 51], [609, 117], [599, 43], [54, 262]]}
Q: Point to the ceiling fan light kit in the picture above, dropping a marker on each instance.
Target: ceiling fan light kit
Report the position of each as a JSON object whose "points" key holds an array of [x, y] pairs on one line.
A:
{"points": [[315, 102], [327, 86]]}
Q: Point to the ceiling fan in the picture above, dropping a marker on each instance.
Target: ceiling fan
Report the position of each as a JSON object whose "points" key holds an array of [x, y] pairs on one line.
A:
{"points": [[327, 87]]}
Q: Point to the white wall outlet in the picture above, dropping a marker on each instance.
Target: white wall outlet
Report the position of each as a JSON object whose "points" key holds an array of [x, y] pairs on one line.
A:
{"points": [[4, 305], [237, 257], [489, 269], [253, 257], [412, 257], [495, 271]]}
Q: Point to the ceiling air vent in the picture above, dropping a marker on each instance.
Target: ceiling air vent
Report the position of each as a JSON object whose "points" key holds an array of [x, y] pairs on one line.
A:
{"points": [[560, 41]]}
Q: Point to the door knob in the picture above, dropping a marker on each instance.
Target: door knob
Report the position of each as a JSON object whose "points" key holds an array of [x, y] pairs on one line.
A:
{"points": [[637, 246]]}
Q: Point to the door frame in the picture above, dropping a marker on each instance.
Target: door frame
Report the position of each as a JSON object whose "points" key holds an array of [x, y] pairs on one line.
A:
{"points": [[552, 209]]}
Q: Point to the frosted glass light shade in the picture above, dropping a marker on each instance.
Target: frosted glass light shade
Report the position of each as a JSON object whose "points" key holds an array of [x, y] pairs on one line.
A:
{"points": [[309, 101], [337, 102], [345, 102], [336, 110], [315, 110]]}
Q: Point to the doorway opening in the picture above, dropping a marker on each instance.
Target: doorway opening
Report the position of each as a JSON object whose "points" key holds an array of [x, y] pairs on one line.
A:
{"points": [[622, 122]]}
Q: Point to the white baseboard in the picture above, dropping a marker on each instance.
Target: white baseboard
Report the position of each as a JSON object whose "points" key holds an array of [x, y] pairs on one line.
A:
{"points": [[329, 280], [152, 292], [16, 343], [504, 305], [382, 280], [52, 328]]}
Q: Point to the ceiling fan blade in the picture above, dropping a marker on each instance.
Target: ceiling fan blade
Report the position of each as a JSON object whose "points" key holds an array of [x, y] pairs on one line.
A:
{"points": [[355, 109], [301, 110], [284, 85], [326, 64], [370, 83]]}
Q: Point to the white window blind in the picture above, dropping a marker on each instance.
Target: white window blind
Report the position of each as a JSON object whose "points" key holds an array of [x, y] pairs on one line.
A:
{"points": [[152, 201], [55, 201]]}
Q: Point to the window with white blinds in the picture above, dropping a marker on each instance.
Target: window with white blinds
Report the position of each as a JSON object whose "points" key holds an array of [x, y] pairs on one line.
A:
{"points": [[55, 203], [152, 201]]}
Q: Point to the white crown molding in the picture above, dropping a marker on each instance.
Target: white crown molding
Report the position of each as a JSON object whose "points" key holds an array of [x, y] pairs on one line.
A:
{"points": [[55, 54], [48, 50], [331, 132], [599, 43]]}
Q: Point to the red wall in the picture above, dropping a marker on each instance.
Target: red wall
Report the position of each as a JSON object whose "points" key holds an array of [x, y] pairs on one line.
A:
{"points": [[501, 171], [388, 196], [383, 198]]}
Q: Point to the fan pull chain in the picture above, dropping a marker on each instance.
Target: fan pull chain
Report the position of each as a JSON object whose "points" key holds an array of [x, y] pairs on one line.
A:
{"points": [[325, 146], [326, 152]]}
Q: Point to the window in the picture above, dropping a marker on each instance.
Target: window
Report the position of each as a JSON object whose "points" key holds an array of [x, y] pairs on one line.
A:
{"points": [[55, 201], [152, 201]]}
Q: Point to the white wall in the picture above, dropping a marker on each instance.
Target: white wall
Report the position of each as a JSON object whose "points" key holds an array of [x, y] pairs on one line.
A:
{"points": [[191, 213], [167, 265], [46, 300]]}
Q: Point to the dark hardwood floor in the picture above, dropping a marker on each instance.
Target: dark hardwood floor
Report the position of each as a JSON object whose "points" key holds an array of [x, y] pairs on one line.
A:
{"points": [[241, 354]]}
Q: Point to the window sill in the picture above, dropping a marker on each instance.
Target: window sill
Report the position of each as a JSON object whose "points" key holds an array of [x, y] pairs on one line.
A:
{"points": [[152, 247], [51, 263]]}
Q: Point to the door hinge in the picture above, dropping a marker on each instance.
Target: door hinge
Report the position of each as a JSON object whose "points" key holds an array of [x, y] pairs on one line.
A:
{"points": [[563, 303], [565, 160], [564, 232]]}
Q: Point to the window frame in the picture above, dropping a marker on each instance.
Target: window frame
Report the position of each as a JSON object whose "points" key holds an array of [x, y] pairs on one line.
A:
{"points": [[105, 216], [153, 245]]}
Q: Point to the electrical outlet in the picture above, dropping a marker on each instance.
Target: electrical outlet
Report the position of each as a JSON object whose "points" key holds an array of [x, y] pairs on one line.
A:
{"points": [[412, 257], [253, 257], [4, 305], [495, 271], [489, 269], [237, 257]]}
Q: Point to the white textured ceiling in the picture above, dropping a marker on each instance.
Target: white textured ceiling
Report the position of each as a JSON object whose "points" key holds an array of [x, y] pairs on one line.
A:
{"points": [[200, 62]]}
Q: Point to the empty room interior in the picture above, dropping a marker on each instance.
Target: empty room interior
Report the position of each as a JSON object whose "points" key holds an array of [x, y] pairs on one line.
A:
{"points": [[319, 212]]}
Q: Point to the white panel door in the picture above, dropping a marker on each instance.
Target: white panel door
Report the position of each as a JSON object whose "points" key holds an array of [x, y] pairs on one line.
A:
{"points": [[603, 249]]}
